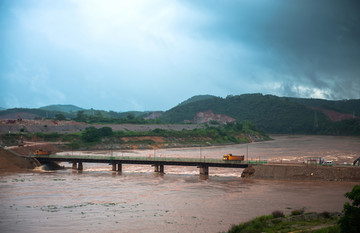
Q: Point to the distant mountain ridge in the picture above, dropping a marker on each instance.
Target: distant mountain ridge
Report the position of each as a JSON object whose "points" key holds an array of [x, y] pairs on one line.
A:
{"points": [[62, 108], [197, 98], [269, 113], [275, 114]]}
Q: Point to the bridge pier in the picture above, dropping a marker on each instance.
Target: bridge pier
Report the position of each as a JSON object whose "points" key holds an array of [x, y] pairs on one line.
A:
{"points": [[119, 167], [204, 170], [159, 168], [77, 166], [80, 166]]}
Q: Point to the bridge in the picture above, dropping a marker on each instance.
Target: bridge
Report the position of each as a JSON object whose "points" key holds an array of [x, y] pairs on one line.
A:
{"points": [[157, 162]]}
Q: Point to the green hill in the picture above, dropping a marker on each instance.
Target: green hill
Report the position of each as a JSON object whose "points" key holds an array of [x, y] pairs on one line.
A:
{"points": [[269, 113], [30, 113], [273, 114], [197, 98], [343, 106], [62, 108]]}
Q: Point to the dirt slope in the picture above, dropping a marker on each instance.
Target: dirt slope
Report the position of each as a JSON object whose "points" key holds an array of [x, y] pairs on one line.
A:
{"points": [[11, 161]]}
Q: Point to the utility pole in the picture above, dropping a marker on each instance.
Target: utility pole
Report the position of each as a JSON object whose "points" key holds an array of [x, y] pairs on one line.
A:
{"points": [[247, 152]]}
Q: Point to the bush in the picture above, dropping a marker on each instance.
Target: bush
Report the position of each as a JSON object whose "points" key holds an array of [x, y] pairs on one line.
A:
{"points": [[60, 117], [256, 225], [91, 134], [325, 214], [106, 131], [277, 214], [350, 221], [48, 136], [331, 229], [297, 212], [74, 145]]}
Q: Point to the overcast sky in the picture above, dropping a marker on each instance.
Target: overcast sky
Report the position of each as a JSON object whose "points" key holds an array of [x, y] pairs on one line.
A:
{"points": [[151, 55]]}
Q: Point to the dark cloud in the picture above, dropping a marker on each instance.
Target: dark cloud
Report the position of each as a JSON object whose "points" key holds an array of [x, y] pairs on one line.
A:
{"points": [[317, 42]]}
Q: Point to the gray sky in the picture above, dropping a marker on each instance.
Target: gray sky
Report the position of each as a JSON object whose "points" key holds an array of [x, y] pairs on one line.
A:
{"points": [[151, 55]]}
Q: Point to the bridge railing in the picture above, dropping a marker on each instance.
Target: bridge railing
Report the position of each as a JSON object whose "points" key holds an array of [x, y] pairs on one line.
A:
{"points": [[143, 158]]}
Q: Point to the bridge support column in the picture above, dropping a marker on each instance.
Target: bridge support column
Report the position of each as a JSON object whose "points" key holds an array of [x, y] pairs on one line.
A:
{"points": [[80, 166], [159, 168], [204, 170], [74, 166], [118, 165]]}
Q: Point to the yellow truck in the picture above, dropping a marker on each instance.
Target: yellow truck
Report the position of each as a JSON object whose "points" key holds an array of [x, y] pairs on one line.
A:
{"points": [[231, 157], [42, 152]]}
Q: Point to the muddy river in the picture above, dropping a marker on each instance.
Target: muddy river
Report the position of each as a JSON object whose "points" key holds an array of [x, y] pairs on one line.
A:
{"points": [[138, 200]]}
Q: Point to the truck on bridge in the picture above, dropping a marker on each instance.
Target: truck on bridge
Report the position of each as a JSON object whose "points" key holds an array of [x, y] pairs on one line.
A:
{"points": [[42, 152], [231, 157]]}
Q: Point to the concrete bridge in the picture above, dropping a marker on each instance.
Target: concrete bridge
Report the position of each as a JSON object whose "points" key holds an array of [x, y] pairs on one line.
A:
{"points": [[157, 162]]}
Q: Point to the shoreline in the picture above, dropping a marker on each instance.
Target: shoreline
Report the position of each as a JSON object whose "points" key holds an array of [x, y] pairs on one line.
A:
{"points": [[303, 172]]}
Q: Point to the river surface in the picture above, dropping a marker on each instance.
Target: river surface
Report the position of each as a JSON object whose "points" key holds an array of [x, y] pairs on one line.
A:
{"points": [[138, 200]]}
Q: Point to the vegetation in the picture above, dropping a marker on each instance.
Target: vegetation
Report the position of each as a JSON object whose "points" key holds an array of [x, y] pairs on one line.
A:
{"points": [[38, 113], [48, 136], [197, 98], [207, 135], [62, 108], [230, 133], [92, 134], [91, 116], [274, 114], [297, 212], [308, 222], [345, 106], [300, 223], [277, 214], [270, 113], [101, 118], [350, 221], [324, 222]]}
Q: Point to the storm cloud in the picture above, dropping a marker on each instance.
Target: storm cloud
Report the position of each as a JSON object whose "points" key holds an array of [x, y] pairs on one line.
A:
{"points": [[152, 55]]}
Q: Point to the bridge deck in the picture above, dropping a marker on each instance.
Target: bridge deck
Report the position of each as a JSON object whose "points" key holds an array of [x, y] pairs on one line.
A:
{"points": [[142, 160]]}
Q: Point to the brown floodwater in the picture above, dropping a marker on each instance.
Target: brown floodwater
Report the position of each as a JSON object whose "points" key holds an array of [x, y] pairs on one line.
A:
{"points": [[138, 200]]}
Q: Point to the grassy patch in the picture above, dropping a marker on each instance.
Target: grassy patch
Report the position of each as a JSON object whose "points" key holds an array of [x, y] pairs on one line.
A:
{"points": [[297, 212], [297, 222]]}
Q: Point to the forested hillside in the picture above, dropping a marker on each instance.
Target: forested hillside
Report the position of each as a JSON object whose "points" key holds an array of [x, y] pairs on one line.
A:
{"points": [[62, 108], [269, 113], [274, 114]]}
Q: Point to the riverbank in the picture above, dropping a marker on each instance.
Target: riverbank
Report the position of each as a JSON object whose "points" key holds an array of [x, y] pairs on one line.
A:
{"points": [[11, 161], [106, 137], [298, 221], [303, 172]]}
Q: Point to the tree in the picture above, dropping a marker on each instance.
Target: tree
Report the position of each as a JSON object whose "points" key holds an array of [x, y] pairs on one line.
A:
{"points": [[350, 221], [80, 116], [130, 117], [91, 134], [60, 117], [106, 131]]}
